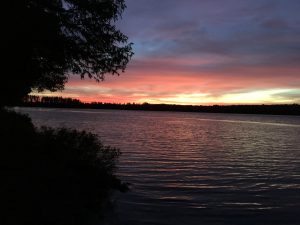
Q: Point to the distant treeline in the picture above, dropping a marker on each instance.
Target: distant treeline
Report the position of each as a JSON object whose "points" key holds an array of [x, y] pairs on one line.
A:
{"points": [[59, 102]]}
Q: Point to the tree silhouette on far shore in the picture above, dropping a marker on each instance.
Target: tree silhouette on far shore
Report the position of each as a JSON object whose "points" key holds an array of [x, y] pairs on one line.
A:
{"points": [[46, 41]]}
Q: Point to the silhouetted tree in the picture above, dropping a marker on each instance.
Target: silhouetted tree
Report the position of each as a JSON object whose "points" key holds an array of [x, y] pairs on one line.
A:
{"points": [[47, 101], [46, 40]]}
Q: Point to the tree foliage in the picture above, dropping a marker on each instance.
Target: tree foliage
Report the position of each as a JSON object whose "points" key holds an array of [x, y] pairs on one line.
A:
{"points": [[47, 40]]}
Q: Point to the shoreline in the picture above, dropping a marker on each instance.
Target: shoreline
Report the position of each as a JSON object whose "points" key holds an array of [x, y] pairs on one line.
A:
{"points": [[288, 110]]}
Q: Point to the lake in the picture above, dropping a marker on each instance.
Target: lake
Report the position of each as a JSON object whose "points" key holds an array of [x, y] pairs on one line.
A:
{"points": [[196, 168]]}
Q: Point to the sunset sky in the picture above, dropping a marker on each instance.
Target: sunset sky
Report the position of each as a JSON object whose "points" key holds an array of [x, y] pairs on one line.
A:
{"points": [[204, 52]]}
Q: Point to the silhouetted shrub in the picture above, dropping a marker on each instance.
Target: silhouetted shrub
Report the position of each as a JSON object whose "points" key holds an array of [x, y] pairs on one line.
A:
{"points": [[53, 176]]}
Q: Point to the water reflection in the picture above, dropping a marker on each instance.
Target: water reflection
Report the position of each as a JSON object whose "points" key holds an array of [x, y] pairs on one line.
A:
{"points": [[190, 168]]}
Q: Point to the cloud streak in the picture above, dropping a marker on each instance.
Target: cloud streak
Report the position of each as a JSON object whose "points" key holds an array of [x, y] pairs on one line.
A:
{"points": [[204, 52]]}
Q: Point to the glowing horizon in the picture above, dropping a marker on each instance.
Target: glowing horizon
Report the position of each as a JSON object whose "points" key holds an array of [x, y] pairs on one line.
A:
{"points": [[194, 52]]}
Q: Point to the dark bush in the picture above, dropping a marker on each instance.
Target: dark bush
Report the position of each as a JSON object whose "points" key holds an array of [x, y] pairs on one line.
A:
{"points": [[53, 176]]}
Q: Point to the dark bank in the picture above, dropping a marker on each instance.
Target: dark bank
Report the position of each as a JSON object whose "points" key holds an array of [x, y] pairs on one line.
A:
{"points": [[56, 176]]}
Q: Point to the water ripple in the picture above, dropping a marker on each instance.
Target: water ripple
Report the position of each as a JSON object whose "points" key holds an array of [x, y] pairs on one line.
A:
{"points": [[193, 168]]}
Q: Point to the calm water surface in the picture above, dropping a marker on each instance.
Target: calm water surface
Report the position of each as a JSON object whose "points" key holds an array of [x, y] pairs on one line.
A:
{"points": [[196, 168]]}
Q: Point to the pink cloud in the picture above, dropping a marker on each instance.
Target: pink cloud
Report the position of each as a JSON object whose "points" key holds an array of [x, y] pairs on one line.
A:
{"points": [[152, 85]]}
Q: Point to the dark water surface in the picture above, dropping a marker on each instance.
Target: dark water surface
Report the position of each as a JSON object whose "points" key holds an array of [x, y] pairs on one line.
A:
{"points": [[196, 168]]}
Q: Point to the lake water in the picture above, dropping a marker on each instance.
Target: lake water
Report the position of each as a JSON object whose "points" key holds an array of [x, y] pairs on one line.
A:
{"points": [[196, 168]]}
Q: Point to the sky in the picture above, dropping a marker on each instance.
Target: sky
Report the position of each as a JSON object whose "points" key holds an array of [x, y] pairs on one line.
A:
{"points": [[204, 52]]}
